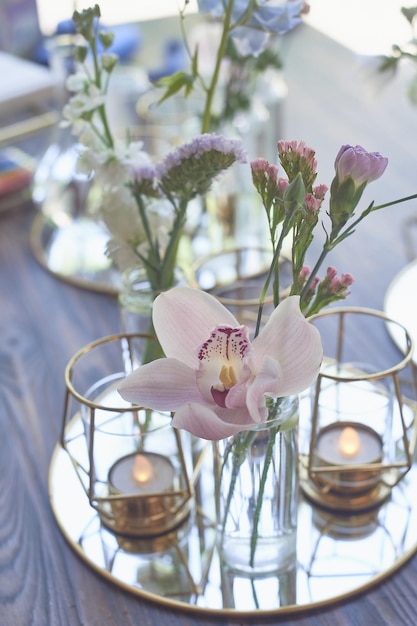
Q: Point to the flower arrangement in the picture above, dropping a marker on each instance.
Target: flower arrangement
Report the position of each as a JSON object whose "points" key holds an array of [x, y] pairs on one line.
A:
{"points": [[292, 206], [139, 202], [142, 204], [217, 381], [242, 43]]}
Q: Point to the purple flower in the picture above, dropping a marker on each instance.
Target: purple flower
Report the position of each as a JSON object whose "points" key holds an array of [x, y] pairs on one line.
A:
{"points": [[355, 168], [192, 167], [277, 16], [144, 180], [362, 166]]}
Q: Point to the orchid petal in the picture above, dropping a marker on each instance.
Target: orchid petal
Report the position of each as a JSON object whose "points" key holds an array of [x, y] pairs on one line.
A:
{"points": [[184, 317], [143, 386], [201, 421], [292, 341], [267, 381], [236, 396]]}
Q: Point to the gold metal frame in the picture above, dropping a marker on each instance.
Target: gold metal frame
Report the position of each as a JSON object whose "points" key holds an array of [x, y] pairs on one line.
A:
{"points": [[146, 515], [390, 474]]}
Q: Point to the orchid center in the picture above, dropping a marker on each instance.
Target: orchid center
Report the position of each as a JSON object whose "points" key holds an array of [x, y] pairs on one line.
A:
{"points": [[222, 361], [228, 376]]}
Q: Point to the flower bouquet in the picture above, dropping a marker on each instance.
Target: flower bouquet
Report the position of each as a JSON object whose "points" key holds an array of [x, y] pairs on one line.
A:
{"points": [[142, 203], [240, 391], [240, 51]]}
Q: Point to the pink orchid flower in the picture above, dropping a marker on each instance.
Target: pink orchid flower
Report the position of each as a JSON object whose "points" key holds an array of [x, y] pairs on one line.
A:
{"points": [[214, 377]]}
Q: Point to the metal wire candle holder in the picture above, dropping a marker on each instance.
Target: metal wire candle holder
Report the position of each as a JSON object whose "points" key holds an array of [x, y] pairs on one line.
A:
{"points": [[162, 497], [236, 277], [348, 477]]}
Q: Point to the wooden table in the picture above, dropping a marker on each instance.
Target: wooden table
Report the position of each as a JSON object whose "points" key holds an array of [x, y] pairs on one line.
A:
{"points": [[43, 321]]}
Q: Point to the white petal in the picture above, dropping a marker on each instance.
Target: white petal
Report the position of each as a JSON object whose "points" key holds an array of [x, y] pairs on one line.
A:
{"points": [[163, 385], [292, 341], [184, 318], [267, 380], [200, 420]]}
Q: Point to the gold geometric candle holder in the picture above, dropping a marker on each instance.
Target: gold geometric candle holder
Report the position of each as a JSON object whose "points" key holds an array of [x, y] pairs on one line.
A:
{"points": [[236, 276], [363, 406], [134, 467]]}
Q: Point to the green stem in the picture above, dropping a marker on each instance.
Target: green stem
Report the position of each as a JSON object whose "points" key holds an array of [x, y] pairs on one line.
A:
{"points": [[101, 109], [314, 271], [169, 260], [206, 123], [239, 448], [273, 271], [259, 501], [382, 206], [332, 243], [153, 349]]}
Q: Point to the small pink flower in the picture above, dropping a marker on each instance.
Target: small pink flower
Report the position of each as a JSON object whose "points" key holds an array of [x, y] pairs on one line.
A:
{"points": [[263, 167], [320, 191], [282, 185], [331, 273], [308, 154], [346, 280], [311, 203]]}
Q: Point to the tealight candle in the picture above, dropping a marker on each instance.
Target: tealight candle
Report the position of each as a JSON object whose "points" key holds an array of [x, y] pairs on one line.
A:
{"points": [[349, 444], [141, 473], [143, 483]]}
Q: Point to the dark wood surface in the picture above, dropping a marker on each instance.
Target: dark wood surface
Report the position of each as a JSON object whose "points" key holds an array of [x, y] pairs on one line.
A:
{"points": [[43, 321]]}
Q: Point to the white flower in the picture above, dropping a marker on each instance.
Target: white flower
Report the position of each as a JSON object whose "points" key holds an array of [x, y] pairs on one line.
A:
{"points": [[214, 378]]}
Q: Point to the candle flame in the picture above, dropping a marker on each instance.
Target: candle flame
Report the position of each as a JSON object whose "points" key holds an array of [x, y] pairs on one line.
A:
{"points": [[349, 442], [142, 469]]}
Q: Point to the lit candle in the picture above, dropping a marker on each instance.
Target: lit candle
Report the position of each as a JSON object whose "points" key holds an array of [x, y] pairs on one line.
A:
{"points": [[147, 500], [141, 473], [349, 444]]}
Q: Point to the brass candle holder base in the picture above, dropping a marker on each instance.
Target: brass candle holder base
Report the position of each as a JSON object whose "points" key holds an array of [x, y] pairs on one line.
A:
{"points": [[144, 517], [343, 503]]}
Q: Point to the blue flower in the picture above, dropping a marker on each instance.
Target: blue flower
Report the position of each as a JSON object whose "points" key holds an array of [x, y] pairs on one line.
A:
{"points": [[256, 20]]}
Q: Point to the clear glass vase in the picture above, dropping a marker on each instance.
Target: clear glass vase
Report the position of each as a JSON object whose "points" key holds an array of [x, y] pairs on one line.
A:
{"points": [[136, 298], [257, 483]]}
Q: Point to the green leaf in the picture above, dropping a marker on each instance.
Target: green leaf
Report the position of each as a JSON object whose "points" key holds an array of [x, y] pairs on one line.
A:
{"points": [[388, 64], [409, 13], [174, 84]]}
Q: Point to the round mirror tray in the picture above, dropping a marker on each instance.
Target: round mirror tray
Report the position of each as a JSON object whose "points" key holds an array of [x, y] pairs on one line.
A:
{"points": [[74, 251], [401, 305], [337, 556]]}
